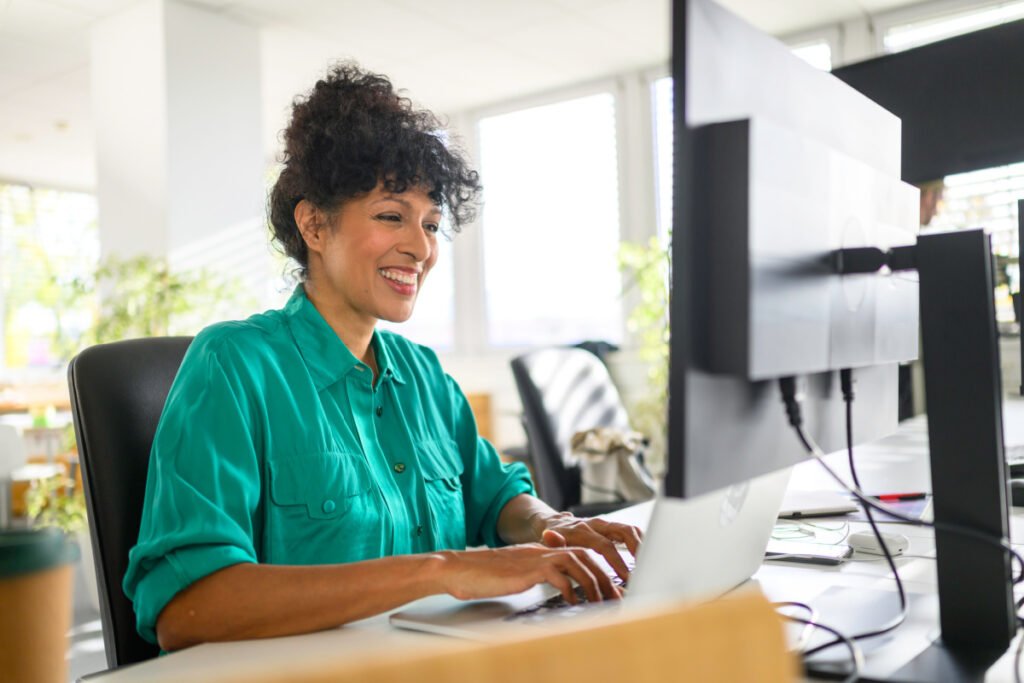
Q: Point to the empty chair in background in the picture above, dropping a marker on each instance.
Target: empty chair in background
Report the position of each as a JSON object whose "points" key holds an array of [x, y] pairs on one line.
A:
{"points": [[564, 391]]}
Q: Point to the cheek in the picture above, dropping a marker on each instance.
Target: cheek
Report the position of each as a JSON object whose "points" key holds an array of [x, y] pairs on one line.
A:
{"points": [[432, 260]]}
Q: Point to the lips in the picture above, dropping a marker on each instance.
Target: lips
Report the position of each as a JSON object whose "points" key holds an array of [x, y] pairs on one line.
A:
{"points": [[399, 276]]}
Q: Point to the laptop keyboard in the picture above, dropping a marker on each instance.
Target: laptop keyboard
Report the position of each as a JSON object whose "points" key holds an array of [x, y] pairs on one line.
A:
{"points": [[557, 605]]}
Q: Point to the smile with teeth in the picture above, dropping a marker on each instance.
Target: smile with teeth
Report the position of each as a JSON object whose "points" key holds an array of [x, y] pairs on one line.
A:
{"points": [[398, 276]]}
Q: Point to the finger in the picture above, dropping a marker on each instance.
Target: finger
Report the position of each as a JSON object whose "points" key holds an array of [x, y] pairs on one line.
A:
{"points": [[631, 537], [610, 552], [576, 567], [608, 588], [599, 537], [628, 535], [556, 578], [553, 539]]}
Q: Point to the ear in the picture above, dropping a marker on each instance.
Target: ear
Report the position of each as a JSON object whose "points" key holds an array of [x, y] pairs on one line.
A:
{"points": [[312, 224]]}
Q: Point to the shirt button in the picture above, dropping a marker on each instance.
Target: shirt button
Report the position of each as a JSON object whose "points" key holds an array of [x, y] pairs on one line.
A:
{"points": [[328, 506], [419, 531], [380, 410], [399, 467]]}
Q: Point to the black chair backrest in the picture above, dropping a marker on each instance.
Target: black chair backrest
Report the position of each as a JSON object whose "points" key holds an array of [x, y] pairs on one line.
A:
{"points": [[118, 392], [563, 391]]}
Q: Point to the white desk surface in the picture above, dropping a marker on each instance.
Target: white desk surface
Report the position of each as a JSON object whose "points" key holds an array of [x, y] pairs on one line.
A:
{"points": [[898, 463]]}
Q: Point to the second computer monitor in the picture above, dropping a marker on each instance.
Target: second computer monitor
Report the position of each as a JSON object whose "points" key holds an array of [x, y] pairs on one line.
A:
{"points": [[777, 165]]}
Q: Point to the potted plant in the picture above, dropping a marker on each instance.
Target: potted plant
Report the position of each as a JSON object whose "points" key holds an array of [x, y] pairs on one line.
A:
{"points": [[135, 297], [144, 296], [647, 267], [56, 502]]}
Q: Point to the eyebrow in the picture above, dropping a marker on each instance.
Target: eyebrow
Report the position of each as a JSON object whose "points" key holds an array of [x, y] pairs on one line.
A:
{"points": [[403, 202]]}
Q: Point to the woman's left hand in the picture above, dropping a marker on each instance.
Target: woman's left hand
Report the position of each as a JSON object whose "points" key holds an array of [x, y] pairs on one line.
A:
{"points": [[595, 533]]}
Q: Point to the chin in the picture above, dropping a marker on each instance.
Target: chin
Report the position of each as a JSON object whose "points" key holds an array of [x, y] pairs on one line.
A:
{"points": [[396, 316]]}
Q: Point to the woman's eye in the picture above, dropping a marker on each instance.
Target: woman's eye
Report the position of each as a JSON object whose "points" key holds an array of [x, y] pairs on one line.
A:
{"points": [[393, 217], [432, 227]]}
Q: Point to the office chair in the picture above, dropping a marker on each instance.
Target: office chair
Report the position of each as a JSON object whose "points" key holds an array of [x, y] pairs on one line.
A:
{"points": [[118, 392], [563, 391]]}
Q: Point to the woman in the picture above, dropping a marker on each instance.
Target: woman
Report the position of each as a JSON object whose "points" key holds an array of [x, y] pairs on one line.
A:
{"points": [[309, 470]]}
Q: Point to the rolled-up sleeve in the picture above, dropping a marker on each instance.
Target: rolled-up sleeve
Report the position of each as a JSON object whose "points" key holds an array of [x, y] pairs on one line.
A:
{"points": [[202, 489], [487, 483]]}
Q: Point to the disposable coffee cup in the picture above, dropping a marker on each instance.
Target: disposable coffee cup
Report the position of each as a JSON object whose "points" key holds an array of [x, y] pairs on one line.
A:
{"points": [[35, 604]]}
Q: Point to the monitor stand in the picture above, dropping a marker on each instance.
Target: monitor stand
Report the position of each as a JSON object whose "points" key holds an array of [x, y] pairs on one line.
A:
{"points": [[965, 437], [940, 663], [963, 391], [965, 434]]}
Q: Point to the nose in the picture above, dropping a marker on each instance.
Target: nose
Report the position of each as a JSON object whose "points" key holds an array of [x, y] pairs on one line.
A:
{"points": [[417, 244]]}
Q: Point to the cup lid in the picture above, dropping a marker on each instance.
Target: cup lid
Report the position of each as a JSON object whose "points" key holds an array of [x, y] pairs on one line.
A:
{"points": [[23, 551]]}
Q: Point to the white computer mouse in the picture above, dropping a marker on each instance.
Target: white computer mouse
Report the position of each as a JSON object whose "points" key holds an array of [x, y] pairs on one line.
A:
{"points": [[865, 542]]}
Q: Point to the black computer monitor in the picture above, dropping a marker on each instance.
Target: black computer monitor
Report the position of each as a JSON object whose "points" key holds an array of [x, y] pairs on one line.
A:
{"points": [[781, 172], [777, 165]]}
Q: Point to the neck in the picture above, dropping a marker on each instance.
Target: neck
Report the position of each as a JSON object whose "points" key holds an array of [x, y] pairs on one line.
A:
{"points": [[354, 331]]}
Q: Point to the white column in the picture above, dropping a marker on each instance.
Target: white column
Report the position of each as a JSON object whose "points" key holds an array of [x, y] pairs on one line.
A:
{"points": [[176, 103]]}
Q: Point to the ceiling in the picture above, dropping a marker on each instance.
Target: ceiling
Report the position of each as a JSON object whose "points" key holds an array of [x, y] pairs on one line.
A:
{"points": [[450, 55]]}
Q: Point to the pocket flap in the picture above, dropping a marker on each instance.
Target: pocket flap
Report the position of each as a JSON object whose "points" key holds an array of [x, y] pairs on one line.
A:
{"points": [[323, 482], [440, 460]]}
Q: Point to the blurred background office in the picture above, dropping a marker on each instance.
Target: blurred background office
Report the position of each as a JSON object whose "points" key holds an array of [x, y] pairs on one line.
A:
{"points": [[138, 139]]}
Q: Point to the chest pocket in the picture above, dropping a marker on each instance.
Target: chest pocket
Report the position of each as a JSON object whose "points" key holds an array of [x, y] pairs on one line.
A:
{"points": [[321, 510], [442, 468]]}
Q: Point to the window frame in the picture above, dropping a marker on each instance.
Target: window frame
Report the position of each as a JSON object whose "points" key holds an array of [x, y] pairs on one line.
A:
{"points": [[831, 35], [471, 310], [936, 9]]}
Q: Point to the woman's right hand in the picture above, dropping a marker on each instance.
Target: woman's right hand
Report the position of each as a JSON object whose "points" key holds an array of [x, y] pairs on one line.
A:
{"points": [[474, 574]]}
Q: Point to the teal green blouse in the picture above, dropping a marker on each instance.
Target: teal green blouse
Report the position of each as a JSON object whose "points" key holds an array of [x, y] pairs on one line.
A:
{"points": [[275, 446]]}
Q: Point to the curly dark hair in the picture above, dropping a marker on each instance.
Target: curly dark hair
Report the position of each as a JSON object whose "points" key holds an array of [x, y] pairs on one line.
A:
{"points": [[352, 132]]}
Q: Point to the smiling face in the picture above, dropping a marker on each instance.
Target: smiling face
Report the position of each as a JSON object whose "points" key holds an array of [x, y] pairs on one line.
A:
{"points": [[370, 262]]}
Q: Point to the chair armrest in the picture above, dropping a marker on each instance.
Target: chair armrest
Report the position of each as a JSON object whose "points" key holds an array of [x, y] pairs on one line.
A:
{"points": [[516, 454], [594, 509]]}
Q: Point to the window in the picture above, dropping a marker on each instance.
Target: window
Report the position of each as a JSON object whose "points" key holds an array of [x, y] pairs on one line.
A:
{"points": [[551, 223], [988, 199], [915, 34], [48, 238], [817, 53], [663, 153]]}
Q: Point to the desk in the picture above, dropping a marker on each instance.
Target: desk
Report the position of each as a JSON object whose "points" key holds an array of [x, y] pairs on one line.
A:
{"points": [[901, 456], [896, 463]]}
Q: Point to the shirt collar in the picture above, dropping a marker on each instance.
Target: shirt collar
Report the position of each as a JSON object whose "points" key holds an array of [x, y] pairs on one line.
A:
{"points": [[388, 370], [326, 356]]}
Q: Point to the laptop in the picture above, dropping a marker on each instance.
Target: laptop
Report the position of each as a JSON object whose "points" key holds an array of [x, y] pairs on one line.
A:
{"points": [[693, 548], [798, 504]]}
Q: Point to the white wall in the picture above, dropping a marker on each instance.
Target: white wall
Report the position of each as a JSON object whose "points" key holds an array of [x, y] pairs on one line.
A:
{"points": [[214, 123], [129, 114]]}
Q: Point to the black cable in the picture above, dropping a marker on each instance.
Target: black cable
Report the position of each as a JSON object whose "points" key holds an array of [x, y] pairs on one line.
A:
{"points": [[812, 617], [856, 656], [790, 398], [788, 385], [846, 382]]}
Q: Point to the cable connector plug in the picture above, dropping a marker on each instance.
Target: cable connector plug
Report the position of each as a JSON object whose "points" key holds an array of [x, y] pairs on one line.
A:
{"points": [[846, 384], [791, 396]]}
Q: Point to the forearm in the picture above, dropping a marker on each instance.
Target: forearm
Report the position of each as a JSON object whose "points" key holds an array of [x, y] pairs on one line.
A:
{"points": [[524, 519], [261, 601]]}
